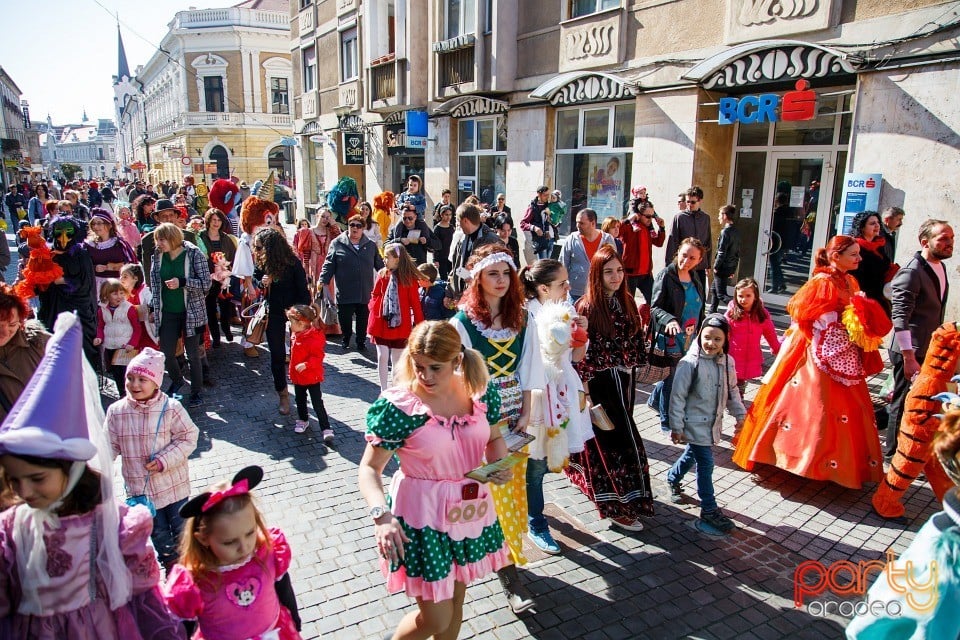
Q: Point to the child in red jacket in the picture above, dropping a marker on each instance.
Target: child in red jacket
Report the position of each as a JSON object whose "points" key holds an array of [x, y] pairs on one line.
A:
{"points": [[307, 345], [394, 307]]}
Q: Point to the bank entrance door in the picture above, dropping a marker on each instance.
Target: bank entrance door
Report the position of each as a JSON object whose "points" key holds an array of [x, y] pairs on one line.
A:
{"points": [[780, 195]]}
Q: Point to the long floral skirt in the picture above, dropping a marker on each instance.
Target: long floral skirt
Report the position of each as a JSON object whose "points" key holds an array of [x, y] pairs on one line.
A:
{"points": [[612, 469]]}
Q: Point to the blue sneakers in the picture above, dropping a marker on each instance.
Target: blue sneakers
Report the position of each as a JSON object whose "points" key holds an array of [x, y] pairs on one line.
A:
{"points": [[544, 541]]}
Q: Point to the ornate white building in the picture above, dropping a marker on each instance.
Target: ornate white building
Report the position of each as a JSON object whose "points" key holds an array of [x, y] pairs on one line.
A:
{"points": [[93, 147], [213, 101]]}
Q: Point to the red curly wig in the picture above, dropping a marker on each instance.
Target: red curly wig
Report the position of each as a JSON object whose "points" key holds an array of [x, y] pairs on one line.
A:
{"points": [[475, 304], [10, 302], [594, 306]]}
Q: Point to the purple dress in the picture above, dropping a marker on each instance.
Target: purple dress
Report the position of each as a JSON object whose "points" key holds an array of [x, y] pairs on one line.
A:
{"points": [[69, 610]]}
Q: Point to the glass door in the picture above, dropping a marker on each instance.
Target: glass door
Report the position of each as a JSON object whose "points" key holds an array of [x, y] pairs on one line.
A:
{"points": [[789, 233]]}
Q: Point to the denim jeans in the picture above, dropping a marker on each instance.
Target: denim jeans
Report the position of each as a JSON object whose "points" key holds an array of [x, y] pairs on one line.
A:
{"points": [[167, 527], [536, 469], [660, 400], [702, 456]]}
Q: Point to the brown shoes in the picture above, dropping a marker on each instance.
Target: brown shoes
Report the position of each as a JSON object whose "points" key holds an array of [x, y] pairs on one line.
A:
{"points": [[284, 407], [251, 352]]}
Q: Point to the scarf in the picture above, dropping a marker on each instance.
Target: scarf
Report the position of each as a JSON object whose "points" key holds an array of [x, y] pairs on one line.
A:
{"points": [[390, 309], [872, 245]]}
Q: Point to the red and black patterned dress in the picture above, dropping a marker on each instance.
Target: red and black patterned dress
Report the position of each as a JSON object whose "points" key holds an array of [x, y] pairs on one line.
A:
{"points": [[612, 470]]}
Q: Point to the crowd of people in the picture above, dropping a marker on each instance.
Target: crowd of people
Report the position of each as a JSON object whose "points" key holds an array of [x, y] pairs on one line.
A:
{"points": [[491, 376]]}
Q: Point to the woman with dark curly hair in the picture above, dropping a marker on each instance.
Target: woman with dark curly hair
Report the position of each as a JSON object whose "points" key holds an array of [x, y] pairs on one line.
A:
{"points": [[875, 269], [143, 208], [284, 283], [215, 238]]}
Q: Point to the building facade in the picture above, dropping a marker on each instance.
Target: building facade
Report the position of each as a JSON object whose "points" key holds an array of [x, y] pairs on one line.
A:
{"points": [[761, 104], [214, 100], [92, 147], [19, 145]]}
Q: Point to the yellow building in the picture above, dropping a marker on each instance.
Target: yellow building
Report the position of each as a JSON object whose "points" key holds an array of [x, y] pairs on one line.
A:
{"points": [[214, 100]]}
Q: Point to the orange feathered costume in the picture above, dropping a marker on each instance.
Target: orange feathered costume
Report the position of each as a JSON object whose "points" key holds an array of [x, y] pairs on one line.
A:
{"points": [[383, 204], [920, 425], [814, 417], [41, 271]]}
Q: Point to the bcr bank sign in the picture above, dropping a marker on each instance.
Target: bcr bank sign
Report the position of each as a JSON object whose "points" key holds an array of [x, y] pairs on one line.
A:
{"points": [[794, 106]]}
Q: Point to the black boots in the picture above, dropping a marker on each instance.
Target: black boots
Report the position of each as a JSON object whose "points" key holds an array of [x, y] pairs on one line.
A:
{"points": [[518, 597]]}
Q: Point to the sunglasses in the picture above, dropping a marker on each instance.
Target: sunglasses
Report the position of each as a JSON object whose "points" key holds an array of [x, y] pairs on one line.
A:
{"points": [[692, 201], [356, 225], [406, 219], [258, 247]]}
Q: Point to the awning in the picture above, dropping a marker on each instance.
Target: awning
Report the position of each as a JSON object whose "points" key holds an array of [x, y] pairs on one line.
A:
{"points": [[762, 61], [470, 106], [580, 87]]}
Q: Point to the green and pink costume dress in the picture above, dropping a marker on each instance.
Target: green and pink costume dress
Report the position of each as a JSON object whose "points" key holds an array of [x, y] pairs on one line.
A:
{"points": [[452, 538]]}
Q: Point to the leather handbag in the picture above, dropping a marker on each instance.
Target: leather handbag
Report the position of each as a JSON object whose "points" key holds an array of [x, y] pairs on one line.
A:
{"points": [[328, 320], [257, 327]]}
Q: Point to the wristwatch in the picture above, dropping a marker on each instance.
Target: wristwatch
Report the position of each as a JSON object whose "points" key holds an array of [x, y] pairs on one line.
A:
{"points": [[376, 512]]}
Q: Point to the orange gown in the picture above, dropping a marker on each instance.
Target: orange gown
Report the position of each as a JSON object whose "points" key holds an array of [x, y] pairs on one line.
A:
{"points": [[814, 417]]}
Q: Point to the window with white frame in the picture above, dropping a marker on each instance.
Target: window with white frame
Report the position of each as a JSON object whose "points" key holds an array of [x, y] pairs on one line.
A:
{"points": [[309, 68], [279, 96], [460, 17], [579, 8], [594, 157], [349, 64], [482, 161], [213, 93]]}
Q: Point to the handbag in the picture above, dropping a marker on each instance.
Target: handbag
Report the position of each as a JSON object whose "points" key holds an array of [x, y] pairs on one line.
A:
{"points": [[658, 366], [328, 320], [142, 498], [256, 313]]}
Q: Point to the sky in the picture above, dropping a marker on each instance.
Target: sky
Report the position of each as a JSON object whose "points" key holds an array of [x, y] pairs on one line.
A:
{"points": [[63, 53]]}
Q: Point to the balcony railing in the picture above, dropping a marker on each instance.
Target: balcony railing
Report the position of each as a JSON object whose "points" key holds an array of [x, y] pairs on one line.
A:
{"points": [[233, 16], [218, 120], [456, 67], [383, 81]]}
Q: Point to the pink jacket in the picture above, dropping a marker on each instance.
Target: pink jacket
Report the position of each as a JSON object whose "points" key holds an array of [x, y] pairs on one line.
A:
{"points": [[745, 343]]}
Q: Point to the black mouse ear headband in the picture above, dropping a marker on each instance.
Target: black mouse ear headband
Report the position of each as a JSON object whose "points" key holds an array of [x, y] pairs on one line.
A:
{"points": [[244, 482]]}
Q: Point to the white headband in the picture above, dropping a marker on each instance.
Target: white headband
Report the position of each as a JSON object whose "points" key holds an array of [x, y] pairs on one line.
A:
{"points": [[493, 258]]}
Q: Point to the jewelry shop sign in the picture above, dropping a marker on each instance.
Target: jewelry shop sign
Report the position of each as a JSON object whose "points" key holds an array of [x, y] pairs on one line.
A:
{"points": [[353, 148]]}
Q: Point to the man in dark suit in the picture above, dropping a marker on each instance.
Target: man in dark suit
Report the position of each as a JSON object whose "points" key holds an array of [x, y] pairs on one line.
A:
{"points": [[892, 219], [919, 298], [475, 235]]}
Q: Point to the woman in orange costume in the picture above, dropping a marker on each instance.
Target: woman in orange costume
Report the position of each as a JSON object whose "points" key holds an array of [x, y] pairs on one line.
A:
{"points": [[814, 417]]}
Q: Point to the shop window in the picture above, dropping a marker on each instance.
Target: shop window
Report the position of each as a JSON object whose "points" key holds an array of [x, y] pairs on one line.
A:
{"points": [[213, 93], [309, 68], [460, 17], [818, 131], [623, 118], [846, 119], [482, 166], [349, 65], [754, 134], [579, 8], [280, 95], [596, 127], [568, 129]]}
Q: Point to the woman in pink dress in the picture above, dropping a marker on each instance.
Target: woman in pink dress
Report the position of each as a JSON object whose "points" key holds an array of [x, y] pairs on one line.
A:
{"points": [[323, 234], [437, 531]]}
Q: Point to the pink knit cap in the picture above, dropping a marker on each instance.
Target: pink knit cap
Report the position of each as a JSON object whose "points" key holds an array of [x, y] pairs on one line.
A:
{"points": [[149, 363]]}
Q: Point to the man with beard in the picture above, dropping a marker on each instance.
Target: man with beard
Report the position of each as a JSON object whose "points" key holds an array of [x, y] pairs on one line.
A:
{"points": [[919, 298]]}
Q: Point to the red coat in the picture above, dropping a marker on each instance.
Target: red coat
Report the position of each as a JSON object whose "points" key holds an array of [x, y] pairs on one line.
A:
{"points": [[411, 312], [637, 247], [307, 346]]}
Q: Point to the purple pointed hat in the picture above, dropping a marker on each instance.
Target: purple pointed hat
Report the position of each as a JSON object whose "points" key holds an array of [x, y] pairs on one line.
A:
{"points": [[49, 419]]}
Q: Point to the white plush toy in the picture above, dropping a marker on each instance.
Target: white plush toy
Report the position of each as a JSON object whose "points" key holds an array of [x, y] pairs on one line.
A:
{"points": [[551, 413]]}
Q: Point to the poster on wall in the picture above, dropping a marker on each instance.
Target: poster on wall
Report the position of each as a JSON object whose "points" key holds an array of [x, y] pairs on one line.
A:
{"points": [[861, 192], [605, 193]]}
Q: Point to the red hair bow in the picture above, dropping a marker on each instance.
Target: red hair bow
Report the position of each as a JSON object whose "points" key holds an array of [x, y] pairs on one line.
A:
{"points": [[239, 489]]}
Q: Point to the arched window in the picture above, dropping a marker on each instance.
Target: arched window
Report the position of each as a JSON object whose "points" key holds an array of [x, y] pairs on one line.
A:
{"points": [[280, 160], [219, 155]]}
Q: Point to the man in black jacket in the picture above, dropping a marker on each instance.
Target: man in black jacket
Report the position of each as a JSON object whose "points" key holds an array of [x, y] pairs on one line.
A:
{"points": [[475, 235], [414, 234], [728, 256], [891, 219], [692, 223], [14, 201], [919, 298]]}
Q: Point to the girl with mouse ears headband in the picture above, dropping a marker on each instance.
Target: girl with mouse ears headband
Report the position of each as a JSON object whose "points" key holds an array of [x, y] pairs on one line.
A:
{"points": [[232, 577]]}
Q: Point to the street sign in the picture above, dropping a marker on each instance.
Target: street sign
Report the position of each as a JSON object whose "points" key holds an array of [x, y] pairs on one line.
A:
{"points": [[186, 161]]}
